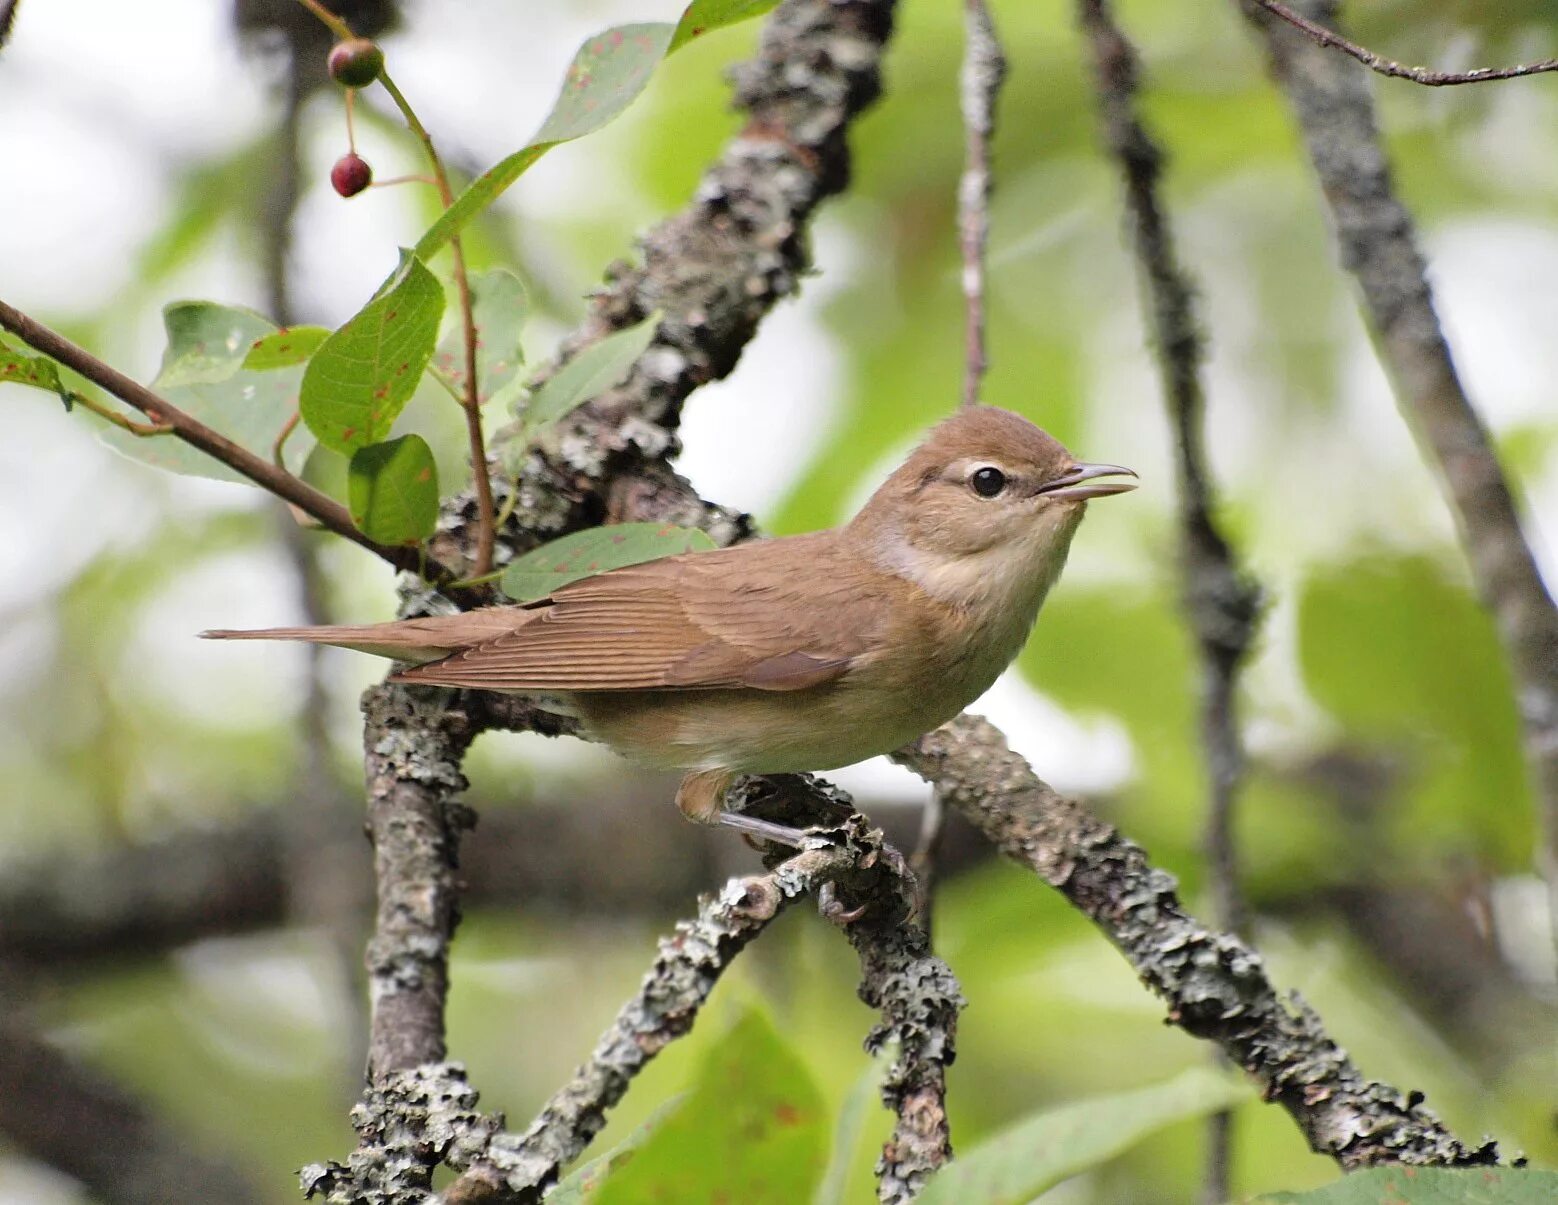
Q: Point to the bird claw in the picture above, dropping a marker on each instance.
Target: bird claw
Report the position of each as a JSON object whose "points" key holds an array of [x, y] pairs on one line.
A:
{"points": [[756, 831], [832, 910]]}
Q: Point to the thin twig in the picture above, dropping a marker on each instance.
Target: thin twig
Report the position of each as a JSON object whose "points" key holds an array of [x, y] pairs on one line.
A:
{"points": [[1329, 39], [1214, 985], [1220, 602], [1378, 245], [257, 469], [979, 84], [481, 471]]}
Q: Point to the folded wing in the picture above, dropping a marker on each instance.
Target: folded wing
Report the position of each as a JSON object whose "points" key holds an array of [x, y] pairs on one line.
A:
{"points": [[731, 619]]}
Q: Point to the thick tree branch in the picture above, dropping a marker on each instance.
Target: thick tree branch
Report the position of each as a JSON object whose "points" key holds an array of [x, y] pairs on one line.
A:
{"points": [[182, 426], [1329, 38], [1214, 984], [1379, 247], [414, 739]]}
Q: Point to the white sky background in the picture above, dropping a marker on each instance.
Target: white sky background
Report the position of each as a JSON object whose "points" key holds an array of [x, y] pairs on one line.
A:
{"points": [[102, 122]]}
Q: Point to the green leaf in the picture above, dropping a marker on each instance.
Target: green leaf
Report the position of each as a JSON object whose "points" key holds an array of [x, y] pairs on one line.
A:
{"points": [[19, 367], [581, 1185], [586, 553], [392, 490], [752, 1129], [847, 1131], [705, 16], [362, 376], [1431, 1186], [1034, 1155], [500, 307], [288, 346], [202, 374], [607, 74], [589, 374]]}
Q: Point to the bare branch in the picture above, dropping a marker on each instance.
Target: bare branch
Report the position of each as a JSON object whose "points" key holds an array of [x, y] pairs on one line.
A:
{"points": [[1220, 601], [1214, 984], [984, 69], [257, 469], [1378, 245], [1329, 38]]}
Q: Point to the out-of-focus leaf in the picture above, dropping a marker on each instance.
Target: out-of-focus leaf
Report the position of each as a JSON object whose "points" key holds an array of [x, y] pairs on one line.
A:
{"points": [[1431, 1186], [203, 375], [1033, 1156], [589, 374], [702, 16], [580, 1186], [392, 490], [1399, 652], [499, 305], [361, 377], [847, 1131], [752, 1129], [19, 367], [288, 346], [605, 77], [585, 553]]}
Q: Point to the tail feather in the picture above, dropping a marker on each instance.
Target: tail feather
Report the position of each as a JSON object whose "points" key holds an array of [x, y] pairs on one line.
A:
{"points": [[429, 638]]}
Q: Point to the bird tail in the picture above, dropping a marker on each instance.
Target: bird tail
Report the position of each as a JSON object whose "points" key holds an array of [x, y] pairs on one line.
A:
{"points": [[428, 638]]}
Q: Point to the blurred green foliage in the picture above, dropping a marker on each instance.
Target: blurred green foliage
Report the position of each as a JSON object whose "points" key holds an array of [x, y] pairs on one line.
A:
{"points": [[1373, 646]]}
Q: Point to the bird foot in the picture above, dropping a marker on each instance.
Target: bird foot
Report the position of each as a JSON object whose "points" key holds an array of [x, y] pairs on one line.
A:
{"points": [[832, 910], [764, 830]]}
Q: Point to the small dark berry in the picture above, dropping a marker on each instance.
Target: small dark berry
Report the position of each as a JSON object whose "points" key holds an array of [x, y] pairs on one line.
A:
{"points": [[355, 63], [351, 174]]}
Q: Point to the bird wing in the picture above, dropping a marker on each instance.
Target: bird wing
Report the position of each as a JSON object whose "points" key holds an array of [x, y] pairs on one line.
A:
{"points": [[769, 616]]}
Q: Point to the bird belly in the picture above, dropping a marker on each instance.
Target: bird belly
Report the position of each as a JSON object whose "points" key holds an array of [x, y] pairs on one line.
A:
{"points": [[760, 732]]}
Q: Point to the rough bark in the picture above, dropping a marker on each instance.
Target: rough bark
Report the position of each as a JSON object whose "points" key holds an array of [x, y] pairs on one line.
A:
{"points": [[1215, 986]]}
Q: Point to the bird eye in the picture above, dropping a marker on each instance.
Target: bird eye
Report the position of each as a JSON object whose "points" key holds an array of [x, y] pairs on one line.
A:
{"points": [[988, 481]]}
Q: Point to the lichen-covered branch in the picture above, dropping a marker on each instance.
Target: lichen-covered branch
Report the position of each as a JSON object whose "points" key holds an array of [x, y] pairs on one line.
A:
{"points": [[414, 739], [1220, 601], [1215, 986], [1378, 243], [433, 1106], [713, 270], [875, 899]]}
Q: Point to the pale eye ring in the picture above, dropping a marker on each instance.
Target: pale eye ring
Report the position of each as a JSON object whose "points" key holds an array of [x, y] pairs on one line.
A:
{"points": [[987, 481]]}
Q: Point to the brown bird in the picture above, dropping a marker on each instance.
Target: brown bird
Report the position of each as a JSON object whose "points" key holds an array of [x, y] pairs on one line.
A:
{"points": [[801, 653]]}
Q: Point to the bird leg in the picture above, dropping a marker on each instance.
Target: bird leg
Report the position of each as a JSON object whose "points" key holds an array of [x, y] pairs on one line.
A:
{"points": [[701, 798]]}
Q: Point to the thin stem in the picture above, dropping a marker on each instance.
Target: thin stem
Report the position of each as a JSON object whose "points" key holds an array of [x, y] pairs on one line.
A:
{"points": [[287, 428], [351, 120], [1375, 62], [337, 26], [144, 430], [283, 484], [984, 68], [486, 530]]}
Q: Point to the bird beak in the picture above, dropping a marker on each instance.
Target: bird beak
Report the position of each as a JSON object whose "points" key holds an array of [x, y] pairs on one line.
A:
{"points": [[1070, 485]]}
